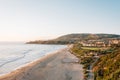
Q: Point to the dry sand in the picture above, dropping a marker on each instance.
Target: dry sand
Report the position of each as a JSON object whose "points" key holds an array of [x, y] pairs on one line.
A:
{"points": [[61, 65]]}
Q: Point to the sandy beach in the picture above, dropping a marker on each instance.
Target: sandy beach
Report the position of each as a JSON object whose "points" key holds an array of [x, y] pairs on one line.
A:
{"points": [[61, 65]]}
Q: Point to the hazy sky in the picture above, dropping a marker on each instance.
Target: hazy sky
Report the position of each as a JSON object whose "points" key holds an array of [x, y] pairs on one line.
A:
{"points": [[24, 20]]}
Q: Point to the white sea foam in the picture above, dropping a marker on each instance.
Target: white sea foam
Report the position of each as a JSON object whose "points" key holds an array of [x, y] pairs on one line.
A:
{"points": [[13, 56]]}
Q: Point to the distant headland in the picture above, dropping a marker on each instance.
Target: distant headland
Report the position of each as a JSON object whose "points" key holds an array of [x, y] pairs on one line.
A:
{"points": [[74, 38]]}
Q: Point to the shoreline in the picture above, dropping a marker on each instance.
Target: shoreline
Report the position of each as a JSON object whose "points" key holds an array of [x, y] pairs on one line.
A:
{"points": [[30, 63], [24, 71], [8, 71]]}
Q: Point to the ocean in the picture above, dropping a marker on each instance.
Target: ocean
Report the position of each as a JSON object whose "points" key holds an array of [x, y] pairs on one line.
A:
{"points": [[14, 55]]}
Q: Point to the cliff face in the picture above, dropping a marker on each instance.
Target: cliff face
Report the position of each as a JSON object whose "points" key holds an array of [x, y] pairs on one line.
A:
{"points": [[72, 38]]}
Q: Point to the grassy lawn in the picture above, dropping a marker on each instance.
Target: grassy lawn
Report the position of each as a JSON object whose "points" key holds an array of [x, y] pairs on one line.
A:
{"points": [[91, 48]]}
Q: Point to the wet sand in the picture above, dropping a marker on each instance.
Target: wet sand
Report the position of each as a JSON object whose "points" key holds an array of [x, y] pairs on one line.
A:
{"points": [[61, 65]]}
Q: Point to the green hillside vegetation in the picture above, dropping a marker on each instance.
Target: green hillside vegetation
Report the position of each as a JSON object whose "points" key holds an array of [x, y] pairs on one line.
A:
{"points": [[106, 67], [86, 59]]}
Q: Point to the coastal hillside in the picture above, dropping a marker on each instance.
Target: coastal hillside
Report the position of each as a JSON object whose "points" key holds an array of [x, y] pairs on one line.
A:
{"points": [[100, 63], [108, 66], [73, 38]]}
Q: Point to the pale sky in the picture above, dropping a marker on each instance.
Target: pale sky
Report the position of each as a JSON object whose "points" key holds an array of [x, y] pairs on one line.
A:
{"points": [[24, 20]]}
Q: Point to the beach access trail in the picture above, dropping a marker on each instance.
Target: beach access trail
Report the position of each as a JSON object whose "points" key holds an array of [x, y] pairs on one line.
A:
{"points": [[61, 65]]}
